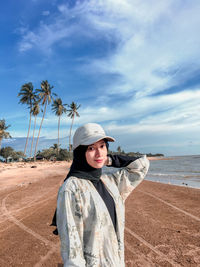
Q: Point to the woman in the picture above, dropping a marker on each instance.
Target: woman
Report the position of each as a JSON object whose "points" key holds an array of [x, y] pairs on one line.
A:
{"points": [[90, 205]]}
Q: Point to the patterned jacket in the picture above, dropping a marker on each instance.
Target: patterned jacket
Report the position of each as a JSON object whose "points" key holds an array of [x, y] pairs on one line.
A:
{"points": [[87, 234]]}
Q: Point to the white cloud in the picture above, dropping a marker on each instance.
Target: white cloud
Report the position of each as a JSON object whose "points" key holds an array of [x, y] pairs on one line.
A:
{"points": [[45, 37], [46, 13], [154, 114], [156, 42], [156, 47], [144, 125]]}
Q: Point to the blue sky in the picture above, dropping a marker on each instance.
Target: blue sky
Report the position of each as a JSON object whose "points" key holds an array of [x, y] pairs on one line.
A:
{"points": [[132, 65]]}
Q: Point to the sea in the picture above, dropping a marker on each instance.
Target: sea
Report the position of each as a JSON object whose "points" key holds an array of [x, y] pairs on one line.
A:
{"points": [[179, 170], [175, 170]]}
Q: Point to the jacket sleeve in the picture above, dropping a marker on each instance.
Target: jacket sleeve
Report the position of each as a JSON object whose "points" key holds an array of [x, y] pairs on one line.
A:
{"points": [[70, 228], [131, 173]]}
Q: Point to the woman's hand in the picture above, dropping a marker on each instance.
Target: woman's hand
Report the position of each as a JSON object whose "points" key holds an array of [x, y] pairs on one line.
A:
{"points": [[108, 161]]}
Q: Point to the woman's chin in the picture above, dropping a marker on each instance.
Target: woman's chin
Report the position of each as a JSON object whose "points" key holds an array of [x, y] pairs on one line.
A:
{"points": [[98, 165]]}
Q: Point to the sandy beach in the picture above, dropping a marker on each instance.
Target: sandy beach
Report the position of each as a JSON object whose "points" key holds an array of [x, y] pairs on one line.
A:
{"points": [[162, 221]]}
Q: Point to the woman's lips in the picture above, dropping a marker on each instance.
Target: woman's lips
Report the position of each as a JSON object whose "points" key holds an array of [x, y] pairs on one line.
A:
{"points": [[99, 160]]}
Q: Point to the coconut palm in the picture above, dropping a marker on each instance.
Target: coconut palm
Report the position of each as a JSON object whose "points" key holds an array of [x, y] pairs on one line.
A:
{"points": [[35, 111], [45, 97], [58, 108], [119, 149], [28, 97], [72, 113], [3, 133]]}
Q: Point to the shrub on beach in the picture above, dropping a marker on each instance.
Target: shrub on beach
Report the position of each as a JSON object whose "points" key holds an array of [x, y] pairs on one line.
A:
{"points": [[52, 153], [8, 151], [64, 154]]}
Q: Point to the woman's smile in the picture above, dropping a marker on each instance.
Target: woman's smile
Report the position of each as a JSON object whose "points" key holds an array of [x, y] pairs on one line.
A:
{"points": [[99, 160]]}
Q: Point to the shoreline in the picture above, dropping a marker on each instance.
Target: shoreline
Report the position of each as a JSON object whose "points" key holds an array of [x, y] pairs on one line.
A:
{"points": [[181, 171], [160, 158], [24, 173], [12, 172], [171, 184]]}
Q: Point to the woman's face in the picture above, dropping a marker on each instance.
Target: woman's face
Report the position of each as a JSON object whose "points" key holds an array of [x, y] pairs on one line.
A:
{"points": [[96, 154]]}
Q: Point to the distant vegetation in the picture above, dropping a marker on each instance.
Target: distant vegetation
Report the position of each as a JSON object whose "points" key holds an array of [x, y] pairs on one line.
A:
{"points": [[137, 154], [133, 154], [8, 151], [54, 153], [46, 154]]}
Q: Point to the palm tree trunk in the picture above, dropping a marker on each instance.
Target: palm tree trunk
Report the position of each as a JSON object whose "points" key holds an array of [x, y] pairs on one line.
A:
{"points": [[33, 137], [27, 135], [0, 143], [58, 135], [39, 131], [70, 132]]}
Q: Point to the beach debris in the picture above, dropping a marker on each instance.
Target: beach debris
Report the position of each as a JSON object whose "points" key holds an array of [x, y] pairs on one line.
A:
{"points": [[24, 184], [34, 166]]}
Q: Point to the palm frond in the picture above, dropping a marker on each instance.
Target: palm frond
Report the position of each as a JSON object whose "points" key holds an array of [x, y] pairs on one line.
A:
{"points": [[3, 128], [72, 111], [27, 94], [58, 107]]}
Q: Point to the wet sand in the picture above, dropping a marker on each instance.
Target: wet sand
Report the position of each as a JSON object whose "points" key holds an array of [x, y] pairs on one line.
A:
{"points": [[162, 221]]}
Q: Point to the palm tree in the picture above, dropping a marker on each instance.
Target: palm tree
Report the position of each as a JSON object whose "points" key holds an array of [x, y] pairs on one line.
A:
{"points": [[119, 149], [35, 111], [45, 96], [3, 133], [72, 113], [59, 108], [28, 97]]}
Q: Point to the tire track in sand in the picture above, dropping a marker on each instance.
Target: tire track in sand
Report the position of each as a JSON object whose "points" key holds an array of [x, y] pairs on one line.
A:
{"points": [[54, 248], [32, 202], [140, 258], [22, 226], [22, 218], [48, 255], [172, 206], [160, 254]]}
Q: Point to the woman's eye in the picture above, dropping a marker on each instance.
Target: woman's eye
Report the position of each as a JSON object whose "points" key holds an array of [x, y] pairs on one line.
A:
{"points": [[90, 148]]}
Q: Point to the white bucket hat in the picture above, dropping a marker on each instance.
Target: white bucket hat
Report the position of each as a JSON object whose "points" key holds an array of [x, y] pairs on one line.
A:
{"points": [[89, 134]]}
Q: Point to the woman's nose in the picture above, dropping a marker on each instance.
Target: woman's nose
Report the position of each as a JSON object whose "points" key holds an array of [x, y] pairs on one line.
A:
{"points": [[98, 152]]}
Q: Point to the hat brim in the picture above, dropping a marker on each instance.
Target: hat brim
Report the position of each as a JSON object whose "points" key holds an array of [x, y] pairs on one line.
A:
{"points": [[94, 139]]}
